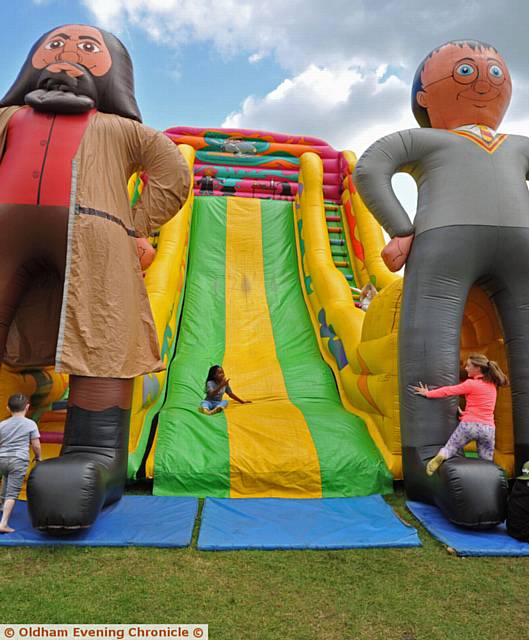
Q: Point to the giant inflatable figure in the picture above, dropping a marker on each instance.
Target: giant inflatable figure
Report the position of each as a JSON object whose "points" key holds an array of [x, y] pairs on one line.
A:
{"points": [[71, 289], [471, 227]]}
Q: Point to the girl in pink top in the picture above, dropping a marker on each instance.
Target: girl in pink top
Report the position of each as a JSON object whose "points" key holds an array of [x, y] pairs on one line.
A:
{"points": [[477, 420]]}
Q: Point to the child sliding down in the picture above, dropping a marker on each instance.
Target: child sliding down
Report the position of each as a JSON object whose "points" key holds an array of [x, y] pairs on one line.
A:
{"points": [[477, 420], [216, 386]]}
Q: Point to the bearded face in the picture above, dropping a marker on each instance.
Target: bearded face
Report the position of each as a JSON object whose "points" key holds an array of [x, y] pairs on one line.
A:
{"points": [[75, 68], [69, 57]]}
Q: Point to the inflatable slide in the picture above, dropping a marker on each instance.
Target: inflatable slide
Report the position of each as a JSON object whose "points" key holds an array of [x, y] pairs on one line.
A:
{"points": [[246, 308]]}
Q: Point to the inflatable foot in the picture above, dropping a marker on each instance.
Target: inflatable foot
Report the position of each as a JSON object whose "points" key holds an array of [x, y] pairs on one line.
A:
{"points": [[471, 492], [66, 494]]}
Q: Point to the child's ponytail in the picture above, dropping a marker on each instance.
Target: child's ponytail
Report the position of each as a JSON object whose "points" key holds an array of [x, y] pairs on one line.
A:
{"points": [[496, 375], [490, 369]]}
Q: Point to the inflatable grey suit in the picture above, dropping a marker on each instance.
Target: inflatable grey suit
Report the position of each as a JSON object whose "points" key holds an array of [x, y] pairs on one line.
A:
{"points": [[471, 226]]}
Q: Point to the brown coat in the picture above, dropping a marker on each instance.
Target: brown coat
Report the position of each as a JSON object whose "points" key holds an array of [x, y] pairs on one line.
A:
{"points": [[105, 325]]}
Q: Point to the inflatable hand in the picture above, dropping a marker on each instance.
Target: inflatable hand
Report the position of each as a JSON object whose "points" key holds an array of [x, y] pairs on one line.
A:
{"points": [[396, 252], [145, 252]]}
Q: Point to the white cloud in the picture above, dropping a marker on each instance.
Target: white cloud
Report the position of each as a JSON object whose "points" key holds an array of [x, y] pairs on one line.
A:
{"points": [[176, 22], [518, 126], [107, 13], [338, 56], [255, 57], [302, 32], [329, 103], [381, 71]]}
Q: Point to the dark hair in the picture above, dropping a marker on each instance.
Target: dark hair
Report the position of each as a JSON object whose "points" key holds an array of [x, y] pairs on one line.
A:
{"points": [[420, 113], [490, 369], [115, 90], [211, 374], [17, 402]]}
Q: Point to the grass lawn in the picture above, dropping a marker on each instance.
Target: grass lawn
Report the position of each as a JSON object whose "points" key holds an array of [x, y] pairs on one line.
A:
{"points": [[384, 594]]}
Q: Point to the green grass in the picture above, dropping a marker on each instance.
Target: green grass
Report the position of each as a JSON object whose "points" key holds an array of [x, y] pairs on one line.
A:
{"points": [[384, 594]]}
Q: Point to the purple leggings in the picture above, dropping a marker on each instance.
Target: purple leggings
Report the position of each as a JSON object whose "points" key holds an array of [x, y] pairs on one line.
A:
{"points": [[483, 434]]}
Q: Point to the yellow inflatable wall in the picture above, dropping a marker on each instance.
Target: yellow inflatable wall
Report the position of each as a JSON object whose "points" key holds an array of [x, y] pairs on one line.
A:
{"points": [[362, 348]]}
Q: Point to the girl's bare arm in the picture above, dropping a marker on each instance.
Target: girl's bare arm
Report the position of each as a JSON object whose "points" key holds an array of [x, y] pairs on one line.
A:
{"points": [[237, 399]]}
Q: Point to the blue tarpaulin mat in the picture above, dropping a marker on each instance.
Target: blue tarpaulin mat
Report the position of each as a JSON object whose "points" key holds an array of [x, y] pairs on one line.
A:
{"points": [[280, 523], [465, 542], [133, 521]]}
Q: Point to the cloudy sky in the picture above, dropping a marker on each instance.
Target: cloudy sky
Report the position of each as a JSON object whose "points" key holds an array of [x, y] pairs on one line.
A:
{"points": [[340, 70]]}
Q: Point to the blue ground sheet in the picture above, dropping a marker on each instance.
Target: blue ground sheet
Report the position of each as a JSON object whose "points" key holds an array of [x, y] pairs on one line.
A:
{"points": [[465, 542], [133, 521], [320, 523]]}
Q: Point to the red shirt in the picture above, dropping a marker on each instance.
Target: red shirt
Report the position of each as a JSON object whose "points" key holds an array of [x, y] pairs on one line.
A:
{"points": [[480, 395], [36, 167]]}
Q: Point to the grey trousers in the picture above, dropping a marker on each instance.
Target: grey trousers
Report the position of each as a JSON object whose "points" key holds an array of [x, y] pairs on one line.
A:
{"points": [[442, 267]]}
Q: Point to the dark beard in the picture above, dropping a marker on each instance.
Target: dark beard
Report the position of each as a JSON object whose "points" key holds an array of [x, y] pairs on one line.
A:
{"points": [[63, 94], [64, 102]]}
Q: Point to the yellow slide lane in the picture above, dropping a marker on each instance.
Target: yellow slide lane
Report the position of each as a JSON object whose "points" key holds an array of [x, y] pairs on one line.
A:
{"points": [[271, 448]]}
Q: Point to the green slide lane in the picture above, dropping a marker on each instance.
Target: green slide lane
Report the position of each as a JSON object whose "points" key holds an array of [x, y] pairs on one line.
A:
{"points": [[192, 453]]}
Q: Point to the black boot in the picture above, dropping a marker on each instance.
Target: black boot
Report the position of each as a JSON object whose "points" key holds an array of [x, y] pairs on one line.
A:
{"points": [[66, 494], [470, 492]]}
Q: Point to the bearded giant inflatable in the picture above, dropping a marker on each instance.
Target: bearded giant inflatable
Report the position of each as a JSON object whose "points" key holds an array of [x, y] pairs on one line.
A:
{"points": [[71, 288], [471, 228]]}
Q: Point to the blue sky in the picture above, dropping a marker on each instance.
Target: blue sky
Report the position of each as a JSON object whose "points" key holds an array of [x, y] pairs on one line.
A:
{"points": [[340, 70]]}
